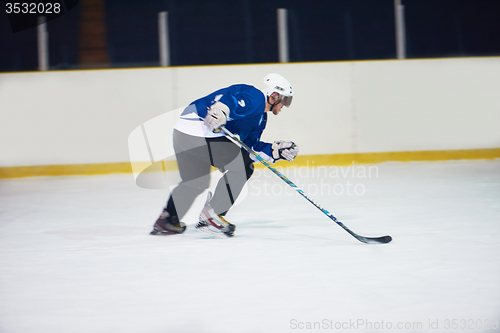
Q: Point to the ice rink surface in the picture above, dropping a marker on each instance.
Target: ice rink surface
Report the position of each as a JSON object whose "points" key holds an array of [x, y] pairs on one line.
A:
{"points": [[76, 254]]}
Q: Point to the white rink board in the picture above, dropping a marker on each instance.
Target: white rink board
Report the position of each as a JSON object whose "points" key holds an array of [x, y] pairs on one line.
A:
{"points": [[427, 105], [76, 117]]}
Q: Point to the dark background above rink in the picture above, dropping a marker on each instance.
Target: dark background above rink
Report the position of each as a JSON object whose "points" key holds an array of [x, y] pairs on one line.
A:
{"points": [[245, 31]]}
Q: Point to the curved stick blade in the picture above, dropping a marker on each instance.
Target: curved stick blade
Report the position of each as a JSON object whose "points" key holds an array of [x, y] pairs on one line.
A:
{"points": [[377, 240]]}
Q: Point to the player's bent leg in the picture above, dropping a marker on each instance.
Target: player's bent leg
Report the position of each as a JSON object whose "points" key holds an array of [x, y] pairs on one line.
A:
{"points": [[194, 167], [236, 173]]}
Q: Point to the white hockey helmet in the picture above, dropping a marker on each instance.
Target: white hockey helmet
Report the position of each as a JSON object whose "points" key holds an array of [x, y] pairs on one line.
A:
{"points": [[276, 83]]}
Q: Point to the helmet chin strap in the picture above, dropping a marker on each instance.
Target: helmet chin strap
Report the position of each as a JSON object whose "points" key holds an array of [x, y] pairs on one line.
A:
{"points": [[272, 105]]}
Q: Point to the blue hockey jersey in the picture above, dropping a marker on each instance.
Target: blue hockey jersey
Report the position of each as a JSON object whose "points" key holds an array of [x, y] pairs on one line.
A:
{"points": [[247, 117]]}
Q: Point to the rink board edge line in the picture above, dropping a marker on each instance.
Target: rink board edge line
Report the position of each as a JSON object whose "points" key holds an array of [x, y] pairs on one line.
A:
{"points": [[300, 161]]}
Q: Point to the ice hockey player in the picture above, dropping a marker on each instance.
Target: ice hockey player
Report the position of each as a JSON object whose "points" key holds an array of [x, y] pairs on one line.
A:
{"points": [[199, 144]]}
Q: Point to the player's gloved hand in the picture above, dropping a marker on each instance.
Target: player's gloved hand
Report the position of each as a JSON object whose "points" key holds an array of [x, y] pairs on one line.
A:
{"points": [[284, 150], [216, 116]]}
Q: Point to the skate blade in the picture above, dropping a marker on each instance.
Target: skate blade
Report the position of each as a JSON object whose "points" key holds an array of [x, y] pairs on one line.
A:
{"points": [[207, 230], [157, 232]]}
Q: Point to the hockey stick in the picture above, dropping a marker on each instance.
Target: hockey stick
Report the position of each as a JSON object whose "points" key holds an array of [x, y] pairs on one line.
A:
{"points": [[369, 240]]}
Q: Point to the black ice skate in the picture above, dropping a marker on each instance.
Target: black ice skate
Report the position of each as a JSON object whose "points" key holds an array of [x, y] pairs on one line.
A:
{"points": [[212, 223], [168, 225]]}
